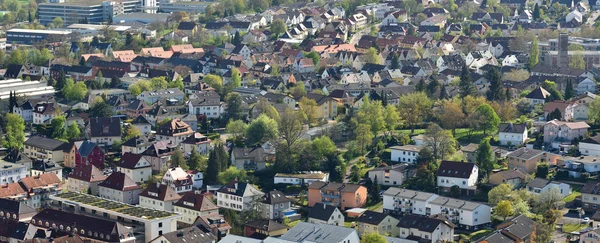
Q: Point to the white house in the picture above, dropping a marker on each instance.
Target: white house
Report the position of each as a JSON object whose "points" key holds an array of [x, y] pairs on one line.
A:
{"points": [[539, 185], [142, 125], [389, 175], [465, 214], [590, 146], [238, 196], [192, 205], [119, 187], [197, 142], [397, 201], [301, 178], [325, 214], [574, 15], [586, 85], [511, 60], [159, 196], [433, 229], [406, 153], [463, 175], [537, 96], [179, 180], [512, 134], [209, 105], [11, 173], [135, 166]]}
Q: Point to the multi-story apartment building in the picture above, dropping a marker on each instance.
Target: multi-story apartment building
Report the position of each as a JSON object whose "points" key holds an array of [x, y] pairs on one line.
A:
{"points": [[40, 188], [590, 197], [119, 187], [192, 205], [341, 195], [38, 147], [135, 166], [463, 175], [175, 131], [11, 173], [85, 179], [559, 132], [275, 205], [465, 214], [239, 196], [94, 11], [528, 159]]}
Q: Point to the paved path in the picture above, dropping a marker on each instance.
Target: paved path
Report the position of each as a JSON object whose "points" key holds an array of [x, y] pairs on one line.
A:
{"points": [[356, 37]]}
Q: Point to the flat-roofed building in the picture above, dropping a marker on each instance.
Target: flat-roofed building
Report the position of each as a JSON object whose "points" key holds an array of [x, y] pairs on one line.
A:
{"points": [[94, 11], [184, 6], [301, 178], [27, 36], [152, 223]]}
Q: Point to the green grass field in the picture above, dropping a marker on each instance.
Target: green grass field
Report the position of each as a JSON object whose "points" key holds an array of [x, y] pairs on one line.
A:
{"points": [[568, 228], [462, 135]]}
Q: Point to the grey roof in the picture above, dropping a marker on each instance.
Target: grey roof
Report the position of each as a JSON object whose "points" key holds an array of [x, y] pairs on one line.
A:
{"points": [[9, 166], [45, 143], [318, 233], [321, 211], [591, 188], [275, 197], [525, 153], [237, 239], [538, 183], [455, 169], [190, 234], [512, 128], [372, 217]]}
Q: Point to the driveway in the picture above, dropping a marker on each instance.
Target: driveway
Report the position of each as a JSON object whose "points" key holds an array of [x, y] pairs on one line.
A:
{"points": [[358, 35]]}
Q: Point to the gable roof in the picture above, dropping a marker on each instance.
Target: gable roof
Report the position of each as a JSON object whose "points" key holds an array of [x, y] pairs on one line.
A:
{"points": [[120, 182], [42, 180], [188, 235], [321, 211], [371, 217], [160, 192], [105, 127], [266, 225], [195, 201], [307, 232], [455, 169], [130, 160], [46, 143], [426, 224], [538, 183], [275, 197], [525, 153], [87, 173], [185, 25], [512, 128], [538, 93]]}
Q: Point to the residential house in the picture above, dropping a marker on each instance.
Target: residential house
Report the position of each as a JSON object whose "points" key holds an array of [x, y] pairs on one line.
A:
{"points": [[326, 106], [187, 27], [142, 125], [325, 214], [84, 153], [559, 132], [43, 113], [181, 180], [250, 158], [137, 108], [435, 228], [174, 131], [159, 196], [514, 177], [538, 96], [40, 188], [135, 166], [512, 134], [207, 106], [19, 211], [124, 56], [193, 205], [38, 147], [341, 195], [238, 196], [393, 175], [518, 229], [137, 144], [405, 153], [25, 110], [44, 166], [119, 187], [85, 179], [301, 178], [590, 235], [189, 234], [215, 224], [463, 175], [378, 223], [576, 166], [159, 153], [465, 214], [12, 173], [104, 131], [590, 146], [321, 233], [539, 185], [394, 17], [262, 228], [590, 197], [528, 159], [16, 157], [275, 205], [197, 142], [564, 107], [163, 94]]}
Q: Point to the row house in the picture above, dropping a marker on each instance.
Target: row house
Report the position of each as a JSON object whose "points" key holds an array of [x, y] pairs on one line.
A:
{"points": [[38, 147], [239, 196], [341, 195], [466, 214]]}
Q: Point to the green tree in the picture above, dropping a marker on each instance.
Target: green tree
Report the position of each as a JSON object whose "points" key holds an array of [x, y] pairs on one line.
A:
{"points": [[499, 193], [101, 109], [230, 174], [274, 70], [577, 61], [594, 110], [451, 115], [496, 89], [537, 12], [196, 161], [74, 91], [569, 91], [308, 108], [58, 126], [490, 119], [177, 83], [17, 57], [555, 114], [391, 118], [115, 82], [323, 147], [314, 56], [364, 137], [372, 56], [372, 238], [439, 142], [237, 128], [553, 90], [15, 131], [372, 114], [542, 170], [131, 132], [214, 81], [485, 157], [504, 209], [466, 86], [534, 51], [58, 22], [73, 132], [159, 83], [236, 78], [177, 159], [395, 62], [414, 107], [213, 168], [234, 105], [261, 129], [278, 27]]}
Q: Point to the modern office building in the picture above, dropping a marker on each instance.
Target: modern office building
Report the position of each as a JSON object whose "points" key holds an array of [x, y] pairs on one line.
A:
{"points": [[184, 6], [94, 11], [26, 36], [27, 89]]}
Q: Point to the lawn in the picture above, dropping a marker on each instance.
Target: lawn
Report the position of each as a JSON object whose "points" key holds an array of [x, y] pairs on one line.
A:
{"points": [[377, 207], [475, 235], [292, 224], [576, 191], [462, 135], [568, 228]]}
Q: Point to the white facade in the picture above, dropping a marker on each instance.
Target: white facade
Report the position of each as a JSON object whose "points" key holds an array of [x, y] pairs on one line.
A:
{"points": [[301, 179], [141, 173], [587, 85], [443, 233], [27, 114], [336, 218], [463, 183], [152, 203], [468, 214], [590, 149], [388, 177], [515, 139], [179, 180], [145, 129], [211, 111], [406, 153], [129, 196], [251, 196], [562, 188], [11, 173]]}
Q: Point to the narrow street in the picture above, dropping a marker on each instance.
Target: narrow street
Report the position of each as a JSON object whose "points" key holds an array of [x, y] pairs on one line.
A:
{"points": [[356, 37]]}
